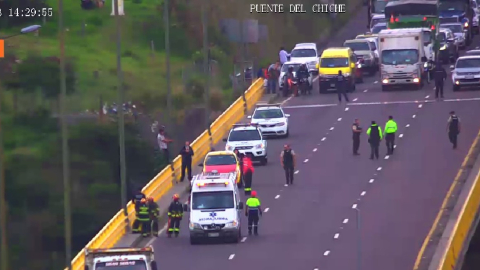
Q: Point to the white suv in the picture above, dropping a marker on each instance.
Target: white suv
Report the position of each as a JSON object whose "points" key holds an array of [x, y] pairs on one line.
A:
{"points": [[248, 140], [270, 119], [306, 53]]}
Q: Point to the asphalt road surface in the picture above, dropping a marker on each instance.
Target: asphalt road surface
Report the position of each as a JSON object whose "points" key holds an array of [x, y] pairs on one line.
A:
{"points": [[313, 224]]}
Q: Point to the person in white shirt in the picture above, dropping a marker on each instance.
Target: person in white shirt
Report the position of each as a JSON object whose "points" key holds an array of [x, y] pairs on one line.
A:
{"points": [[283, 55], [163, 143]]}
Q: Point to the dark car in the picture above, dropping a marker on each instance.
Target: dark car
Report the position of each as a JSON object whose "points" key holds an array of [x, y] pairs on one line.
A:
{"points": [[448, 47]]}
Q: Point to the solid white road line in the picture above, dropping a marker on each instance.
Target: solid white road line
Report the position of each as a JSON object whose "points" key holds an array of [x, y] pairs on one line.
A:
{"points": [[461, 99], [309, 106]]}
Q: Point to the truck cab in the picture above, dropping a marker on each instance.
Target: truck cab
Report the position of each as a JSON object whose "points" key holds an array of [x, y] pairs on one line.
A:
{"points": [[120, 259]]}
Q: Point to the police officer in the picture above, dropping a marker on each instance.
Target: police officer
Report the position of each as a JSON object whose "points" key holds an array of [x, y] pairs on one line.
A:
{"points": [[341, 87], [390, 129], [175, 214], [303, 73], [253, 211], [137, 196], [142, 221], [154, 213], [453, 128], [186, 153], [248, 174], [375, 136], [440, 75], [357, 130], [288, 160]]}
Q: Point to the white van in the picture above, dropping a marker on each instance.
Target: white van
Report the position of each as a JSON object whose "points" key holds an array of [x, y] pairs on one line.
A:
{"points": [[215, 208]]}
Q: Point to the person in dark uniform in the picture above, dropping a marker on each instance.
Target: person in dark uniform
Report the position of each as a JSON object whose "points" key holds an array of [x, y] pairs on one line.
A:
{"points": [[187, 154], [375, 136], [138, 196], [175, 215], [357, 130], [154, 213], [439, 74], [248, 173], [288, 161], [341, 87], [142, 221], [453, 128], [253, 211]]}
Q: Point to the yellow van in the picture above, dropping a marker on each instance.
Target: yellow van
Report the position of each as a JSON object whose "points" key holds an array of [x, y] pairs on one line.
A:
{"points": [[333, 60]]}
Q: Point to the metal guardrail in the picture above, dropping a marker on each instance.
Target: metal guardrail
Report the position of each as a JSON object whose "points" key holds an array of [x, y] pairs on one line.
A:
{"points": [[115, 229]]}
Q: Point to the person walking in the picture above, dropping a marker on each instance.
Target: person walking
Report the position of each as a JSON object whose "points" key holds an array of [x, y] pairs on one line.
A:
{"points": [[341, 87], [440, 75], [288, 161], [375, 136], [163, 142], [453, 128], [357, 130], [390, 130], [186, 153], [253, 211]]}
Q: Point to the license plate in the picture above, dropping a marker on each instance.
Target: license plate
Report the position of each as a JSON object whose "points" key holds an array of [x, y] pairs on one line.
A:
{"points": [[468, 77], [213, 234], [332, 85]]}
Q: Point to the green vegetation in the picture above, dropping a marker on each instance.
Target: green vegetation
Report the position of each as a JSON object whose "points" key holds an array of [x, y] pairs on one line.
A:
{"points": [[30, 79]]}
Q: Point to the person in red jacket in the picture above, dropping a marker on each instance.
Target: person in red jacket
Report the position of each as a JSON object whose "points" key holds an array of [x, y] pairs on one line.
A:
{"points": [[248, 173]]}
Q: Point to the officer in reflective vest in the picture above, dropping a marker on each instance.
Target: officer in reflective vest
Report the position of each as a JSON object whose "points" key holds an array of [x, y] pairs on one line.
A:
{"points": [[390, 129], [154, 213], [175, 214], [248, 174], [142, 221], [253, 211], [453, 128]]}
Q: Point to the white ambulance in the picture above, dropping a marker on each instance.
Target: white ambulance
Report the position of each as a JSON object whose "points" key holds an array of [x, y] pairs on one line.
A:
{"points": [[215, 208]]}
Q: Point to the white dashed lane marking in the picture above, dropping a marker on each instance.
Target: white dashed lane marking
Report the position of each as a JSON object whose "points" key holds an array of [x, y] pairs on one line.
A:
{"points": [[363, 193], [355, 99], [420, 106], [326, 253], [332, 128], [339, 119], [354, 206], [413, 116], [366, 90], [306, 160], [427, 96], [296, 172], [314, 149], [244, 239], [379, 168], [345, 221], [278, 196], [375, 82], [387, 157], [266, 209], [400, 136], [231, 257], [346, 109], [395, 146], [371, 181], [407, 125], [336, 236], [323, 139]]}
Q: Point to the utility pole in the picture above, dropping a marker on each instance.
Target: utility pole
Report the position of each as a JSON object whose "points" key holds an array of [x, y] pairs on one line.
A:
{"points": [[3, 200], [65, 154], [167, 61], [206, 64], [121, 115]]}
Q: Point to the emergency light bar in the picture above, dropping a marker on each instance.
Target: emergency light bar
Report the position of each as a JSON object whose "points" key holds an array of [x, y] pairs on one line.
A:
{"points": [[259, 105], [203, 184], [117, 251]]}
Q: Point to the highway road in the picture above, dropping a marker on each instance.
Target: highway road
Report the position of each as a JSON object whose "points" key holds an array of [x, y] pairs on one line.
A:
{"points": [[313, 224]]}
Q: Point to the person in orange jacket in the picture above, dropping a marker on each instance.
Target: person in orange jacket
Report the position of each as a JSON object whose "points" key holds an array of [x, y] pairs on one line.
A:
{"points": [[248, 173]]}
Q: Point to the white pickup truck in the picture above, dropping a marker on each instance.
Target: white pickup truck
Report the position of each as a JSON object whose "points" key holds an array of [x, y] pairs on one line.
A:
{"points": [[120, 259]]}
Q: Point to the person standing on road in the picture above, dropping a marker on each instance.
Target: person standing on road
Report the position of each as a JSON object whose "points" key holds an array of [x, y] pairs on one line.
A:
{"points": [[163, 143], [154, 213], [375, 136], [253, 211], [440, 75], [175, 214], [283, 55], [390, 130], [187, 154], [138, 196], [453, 128], [240, 157], [357, 130], [288, 160], [248, 173], [273, 78], [341, 87]]}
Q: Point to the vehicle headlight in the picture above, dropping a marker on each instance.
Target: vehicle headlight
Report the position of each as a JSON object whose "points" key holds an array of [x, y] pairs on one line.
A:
{"points": [[259, 146], [280, 124], [359, 66], [465, 24], [230, 148], [425, 64], [444, 47], [346, 74], [192, 226], [233, 224]]}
